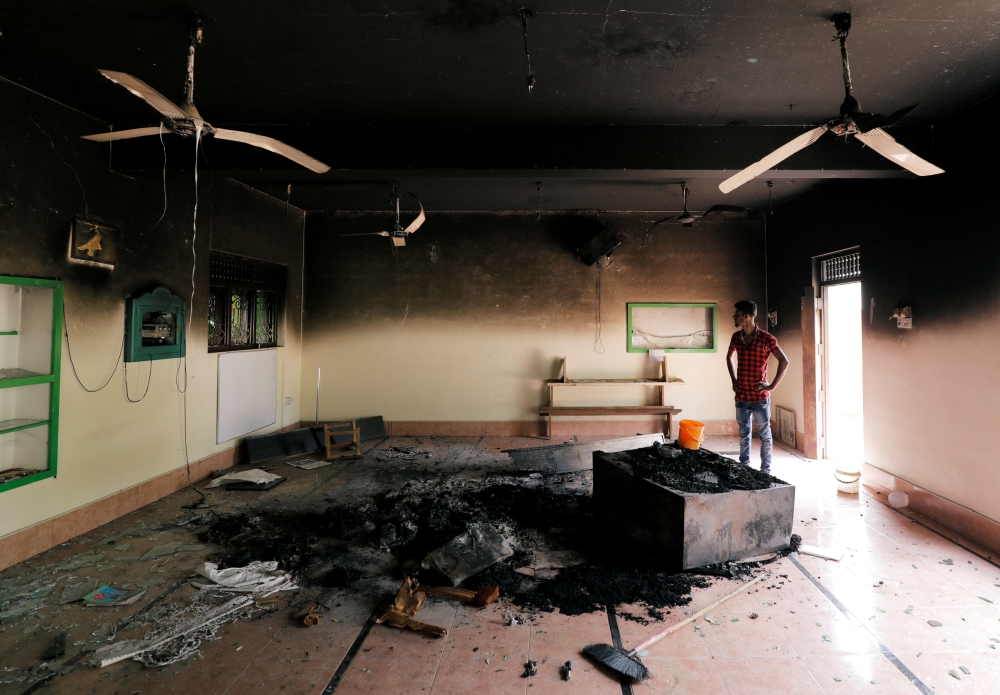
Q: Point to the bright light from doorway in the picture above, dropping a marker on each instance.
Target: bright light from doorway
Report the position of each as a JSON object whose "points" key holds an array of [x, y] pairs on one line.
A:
{"points": [[845, 414]]}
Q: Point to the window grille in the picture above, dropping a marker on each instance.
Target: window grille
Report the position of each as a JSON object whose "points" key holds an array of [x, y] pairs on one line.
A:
{"points": [[244, 302], [841, 268]]}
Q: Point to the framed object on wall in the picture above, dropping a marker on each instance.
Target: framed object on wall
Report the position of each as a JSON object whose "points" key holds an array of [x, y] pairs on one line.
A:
{"points": [[93, 243], [672, 327]]}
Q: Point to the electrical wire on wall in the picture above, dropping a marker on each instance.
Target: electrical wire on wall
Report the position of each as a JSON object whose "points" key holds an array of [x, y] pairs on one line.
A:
{"points": [[119, 360], [538, 201], [72, 364], [149, 378], [598, 345]]}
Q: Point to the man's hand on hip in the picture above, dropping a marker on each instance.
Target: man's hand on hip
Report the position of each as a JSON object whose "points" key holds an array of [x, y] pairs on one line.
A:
{"points": [[764, 386]]}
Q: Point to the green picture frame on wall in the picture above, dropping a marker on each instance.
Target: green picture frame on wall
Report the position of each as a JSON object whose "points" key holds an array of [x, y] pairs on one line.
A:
{"points": [[672, 326], [31, 314]]}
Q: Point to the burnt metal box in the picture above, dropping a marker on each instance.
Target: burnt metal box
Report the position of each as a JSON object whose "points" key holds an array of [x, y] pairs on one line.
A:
{"points": [[688, 529]]}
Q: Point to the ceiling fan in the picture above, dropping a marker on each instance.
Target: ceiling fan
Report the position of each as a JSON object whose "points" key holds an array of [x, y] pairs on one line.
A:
{"points": [[866, 127], [686, 219], [398, 234], [186, 121]]}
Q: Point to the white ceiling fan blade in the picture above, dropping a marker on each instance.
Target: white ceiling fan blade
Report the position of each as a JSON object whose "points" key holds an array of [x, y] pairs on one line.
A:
{"points": [[146, 93], [124, 134], [275, 146], [415, 224], [779, 155], [369, 234], [886, 145]]}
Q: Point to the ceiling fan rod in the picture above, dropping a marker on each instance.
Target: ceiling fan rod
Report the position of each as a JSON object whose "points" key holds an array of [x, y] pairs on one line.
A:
{"points": [[395, 195], [842, 22], [197, 36]]}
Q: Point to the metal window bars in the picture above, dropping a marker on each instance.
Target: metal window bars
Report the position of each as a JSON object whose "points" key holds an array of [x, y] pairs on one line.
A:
{"points": [[243, 303], [841, 268]]}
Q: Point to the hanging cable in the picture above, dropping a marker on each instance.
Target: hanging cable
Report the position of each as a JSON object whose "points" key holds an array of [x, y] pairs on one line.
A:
{"points": [[538, 201], [164, 146], [598, 345], [770, 185], [184, 429], [72, 364], [149, 378], [177, 374], [194, 226], [767, 305], [524, 13]]}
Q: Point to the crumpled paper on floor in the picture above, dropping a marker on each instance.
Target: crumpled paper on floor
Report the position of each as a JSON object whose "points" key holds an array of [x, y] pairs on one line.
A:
{"points": [[254, 475], [257, 577]]}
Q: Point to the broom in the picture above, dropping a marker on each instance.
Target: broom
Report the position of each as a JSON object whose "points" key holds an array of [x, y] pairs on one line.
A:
{"points": [[627, 664]]}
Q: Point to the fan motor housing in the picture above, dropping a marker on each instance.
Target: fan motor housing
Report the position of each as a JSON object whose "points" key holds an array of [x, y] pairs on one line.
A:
{"points": [[850, 105]]}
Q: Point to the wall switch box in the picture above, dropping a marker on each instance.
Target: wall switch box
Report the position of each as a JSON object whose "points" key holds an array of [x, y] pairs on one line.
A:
{"points": [[903, 316]]}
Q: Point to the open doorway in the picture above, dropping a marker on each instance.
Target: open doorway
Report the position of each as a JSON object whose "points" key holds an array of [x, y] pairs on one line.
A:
{"points": [[844, 403]]}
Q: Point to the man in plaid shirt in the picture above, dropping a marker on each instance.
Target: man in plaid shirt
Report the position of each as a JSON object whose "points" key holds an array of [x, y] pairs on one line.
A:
{"points": [[752, 346]]}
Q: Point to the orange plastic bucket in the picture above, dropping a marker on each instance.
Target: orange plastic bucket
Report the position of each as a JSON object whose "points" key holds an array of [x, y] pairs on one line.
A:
{"points": [[691, 434]]}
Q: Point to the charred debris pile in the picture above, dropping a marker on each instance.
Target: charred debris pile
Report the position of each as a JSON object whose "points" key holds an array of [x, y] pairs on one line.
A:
{"points": [[538, 517], [697, 471]]}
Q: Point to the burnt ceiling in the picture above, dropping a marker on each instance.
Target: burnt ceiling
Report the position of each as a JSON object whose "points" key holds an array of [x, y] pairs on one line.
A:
{"points": [[309, 68]]}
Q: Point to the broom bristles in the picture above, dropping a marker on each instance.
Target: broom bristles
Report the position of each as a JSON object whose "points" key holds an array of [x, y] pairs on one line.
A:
{"points": [[617, 660]]}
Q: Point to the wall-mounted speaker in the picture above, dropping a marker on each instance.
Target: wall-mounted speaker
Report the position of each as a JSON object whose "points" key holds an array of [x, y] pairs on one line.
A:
{"points": [[598, 247]]}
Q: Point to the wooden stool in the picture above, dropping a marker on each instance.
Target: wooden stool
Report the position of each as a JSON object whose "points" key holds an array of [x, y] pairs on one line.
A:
{"points": [[343, 450]]}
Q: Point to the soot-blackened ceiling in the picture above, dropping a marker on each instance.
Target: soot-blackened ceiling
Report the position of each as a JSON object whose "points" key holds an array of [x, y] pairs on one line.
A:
{"points": [[462, 61], [636, 95]]}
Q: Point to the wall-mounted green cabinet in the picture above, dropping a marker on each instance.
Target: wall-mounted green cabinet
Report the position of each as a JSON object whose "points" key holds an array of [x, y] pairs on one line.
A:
{"points": [[154, 326], [30, 350]]}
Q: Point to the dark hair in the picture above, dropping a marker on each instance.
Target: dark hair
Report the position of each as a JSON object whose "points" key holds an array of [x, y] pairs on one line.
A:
{"points": [[746, 307]]}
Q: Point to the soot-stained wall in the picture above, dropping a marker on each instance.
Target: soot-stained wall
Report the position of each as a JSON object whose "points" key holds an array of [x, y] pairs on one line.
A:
{"points": [[930, 243], [48, 175], [467, 320]]}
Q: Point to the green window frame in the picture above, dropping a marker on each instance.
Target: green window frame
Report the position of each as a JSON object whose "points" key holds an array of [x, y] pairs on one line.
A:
{"points": [[52, 379]]}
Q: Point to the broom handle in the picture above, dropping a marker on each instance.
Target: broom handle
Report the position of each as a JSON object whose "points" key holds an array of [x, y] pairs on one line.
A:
{"points": [[656, 638]]}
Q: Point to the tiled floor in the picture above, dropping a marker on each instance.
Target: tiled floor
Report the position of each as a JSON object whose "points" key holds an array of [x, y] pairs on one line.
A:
{"points": [[891, 582]]}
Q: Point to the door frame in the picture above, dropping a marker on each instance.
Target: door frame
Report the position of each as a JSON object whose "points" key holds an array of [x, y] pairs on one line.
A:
{"points": [[815, 373]]}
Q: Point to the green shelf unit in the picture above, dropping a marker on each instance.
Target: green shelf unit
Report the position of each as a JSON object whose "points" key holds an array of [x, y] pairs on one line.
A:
{"points": [[7, 426], [52, 379]]}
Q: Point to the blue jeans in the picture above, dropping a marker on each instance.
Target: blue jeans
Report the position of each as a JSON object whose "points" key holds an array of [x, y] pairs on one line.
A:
{"points": [[761, 412]]}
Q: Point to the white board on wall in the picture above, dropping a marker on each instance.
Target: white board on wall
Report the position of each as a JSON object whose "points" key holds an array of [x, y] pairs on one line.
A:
{"points": [[248, 392]]}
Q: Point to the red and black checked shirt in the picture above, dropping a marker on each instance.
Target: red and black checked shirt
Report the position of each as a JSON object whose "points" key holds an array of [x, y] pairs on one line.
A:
{"points": [[752, 363]]}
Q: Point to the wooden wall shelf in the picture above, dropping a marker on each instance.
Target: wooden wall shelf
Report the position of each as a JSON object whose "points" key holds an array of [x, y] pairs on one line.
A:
{"points": [[590, 411]]}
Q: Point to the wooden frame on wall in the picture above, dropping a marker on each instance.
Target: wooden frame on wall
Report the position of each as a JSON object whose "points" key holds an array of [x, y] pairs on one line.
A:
{"points": [[702, 317], [94, 243]]}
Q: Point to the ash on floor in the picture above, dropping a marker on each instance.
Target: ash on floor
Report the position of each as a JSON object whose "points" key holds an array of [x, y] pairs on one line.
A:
{"points": [[368, 544]]}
